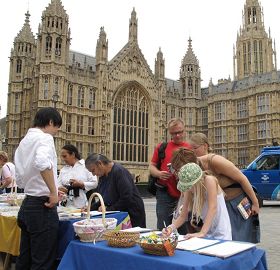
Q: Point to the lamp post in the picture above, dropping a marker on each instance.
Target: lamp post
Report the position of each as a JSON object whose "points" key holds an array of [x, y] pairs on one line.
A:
{"points": [[55, 98]]}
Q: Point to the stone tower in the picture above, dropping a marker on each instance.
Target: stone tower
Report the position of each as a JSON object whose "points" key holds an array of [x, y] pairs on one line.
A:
{"points": [[254, 52], [20, 91]]}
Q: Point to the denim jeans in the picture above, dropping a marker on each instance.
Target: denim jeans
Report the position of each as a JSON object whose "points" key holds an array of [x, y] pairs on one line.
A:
{"points": [[39, 234], [165, 206]]}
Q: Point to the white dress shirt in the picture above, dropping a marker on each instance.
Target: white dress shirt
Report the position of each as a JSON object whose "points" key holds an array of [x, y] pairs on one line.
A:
{"points": [[77, 172], [35, 153]]}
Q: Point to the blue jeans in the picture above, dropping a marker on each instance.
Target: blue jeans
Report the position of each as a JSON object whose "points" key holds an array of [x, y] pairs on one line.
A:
{"points": [[39, 234], [165, 206], [247, 230]]}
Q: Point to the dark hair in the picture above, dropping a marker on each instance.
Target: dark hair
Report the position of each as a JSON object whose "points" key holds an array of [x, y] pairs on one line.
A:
{"points": [[94, 158], [45, 115], [70, 148]]}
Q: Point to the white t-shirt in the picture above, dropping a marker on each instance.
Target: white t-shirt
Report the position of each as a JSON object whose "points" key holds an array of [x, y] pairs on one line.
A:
{"points": [[8, 170], [220, 227], [77, 172]]}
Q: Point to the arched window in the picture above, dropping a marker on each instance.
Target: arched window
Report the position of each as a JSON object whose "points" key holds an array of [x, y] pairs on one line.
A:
{"points": [[48, 45], [58, 46], [70, 94], [130, 126], [190, 87], [19, 65], [91, 102], [46, 87], [81, 96]]}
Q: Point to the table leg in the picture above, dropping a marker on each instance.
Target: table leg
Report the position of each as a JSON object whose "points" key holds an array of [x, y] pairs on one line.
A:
{"points": [[7, 261]]}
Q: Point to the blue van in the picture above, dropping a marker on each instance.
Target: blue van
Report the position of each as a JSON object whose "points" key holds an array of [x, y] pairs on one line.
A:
{"points": [[264, 174]]}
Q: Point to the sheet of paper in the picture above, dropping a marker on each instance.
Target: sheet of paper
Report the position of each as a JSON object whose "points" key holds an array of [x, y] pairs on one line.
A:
{"points": [[145, 234], [97, 213], [226, 249], [137, 229], [195, 243]]}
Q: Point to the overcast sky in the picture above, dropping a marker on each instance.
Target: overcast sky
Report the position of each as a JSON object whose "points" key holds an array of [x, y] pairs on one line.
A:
{"points": [[212, 26]]}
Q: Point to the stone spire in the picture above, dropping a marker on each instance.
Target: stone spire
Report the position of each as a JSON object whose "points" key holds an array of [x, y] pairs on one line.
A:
{"points": [[25, 34], [133, 25]]}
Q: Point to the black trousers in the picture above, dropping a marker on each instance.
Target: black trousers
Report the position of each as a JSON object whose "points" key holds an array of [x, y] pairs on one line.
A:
{"points": [[39, 234]]}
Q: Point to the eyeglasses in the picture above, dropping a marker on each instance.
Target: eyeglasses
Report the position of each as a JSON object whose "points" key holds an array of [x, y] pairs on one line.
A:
{"points": [[194, 147], [177, 133]]}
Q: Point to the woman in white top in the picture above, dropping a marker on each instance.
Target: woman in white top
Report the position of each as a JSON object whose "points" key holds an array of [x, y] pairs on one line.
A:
{"points": [[203, 197], [74, 179], [7, 174]]}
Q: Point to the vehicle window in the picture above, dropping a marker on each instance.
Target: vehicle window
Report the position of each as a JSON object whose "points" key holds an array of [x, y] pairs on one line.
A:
{"points": [[268, 163]]}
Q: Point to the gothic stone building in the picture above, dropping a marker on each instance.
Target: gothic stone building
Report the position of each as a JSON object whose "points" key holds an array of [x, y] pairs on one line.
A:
{"points": [[120, 107]]}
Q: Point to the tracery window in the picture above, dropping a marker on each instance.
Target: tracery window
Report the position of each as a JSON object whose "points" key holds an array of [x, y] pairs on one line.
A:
{"points": [[68, 122], [242, 108], [46, 88], [130, 126], [48, 45], [81, 96], [19, 65], [91, 102], [263, 103], [70, 94], [58, 46]]}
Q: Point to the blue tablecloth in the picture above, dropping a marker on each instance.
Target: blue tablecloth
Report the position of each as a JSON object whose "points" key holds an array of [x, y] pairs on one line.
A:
{"points": [[67, 234], [87, 256]]}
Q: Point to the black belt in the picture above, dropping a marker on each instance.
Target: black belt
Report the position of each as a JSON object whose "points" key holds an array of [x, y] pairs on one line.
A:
{"points": [[39, 198]]}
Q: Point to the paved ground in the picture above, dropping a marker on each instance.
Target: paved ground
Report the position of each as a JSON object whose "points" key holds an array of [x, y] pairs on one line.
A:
{"points": [[270, 227]]}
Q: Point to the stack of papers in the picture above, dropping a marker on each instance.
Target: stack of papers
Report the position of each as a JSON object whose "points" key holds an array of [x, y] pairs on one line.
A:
{"points": [[226, 249], [137, 229], [195, 243]]}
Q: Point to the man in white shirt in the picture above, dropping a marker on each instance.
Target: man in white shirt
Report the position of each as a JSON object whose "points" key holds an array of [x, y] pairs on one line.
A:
{"points": [[36, 167]]}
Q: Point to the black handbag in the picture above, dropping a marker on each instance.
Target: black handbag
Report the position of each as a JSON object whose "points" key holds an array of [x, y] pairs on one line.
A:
{"points": [[152, 181]]}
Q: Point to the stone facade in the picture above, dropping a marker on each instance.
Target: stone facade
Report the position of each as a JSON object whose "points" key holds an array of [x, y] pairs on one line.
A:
{"points": [[120, 108]]}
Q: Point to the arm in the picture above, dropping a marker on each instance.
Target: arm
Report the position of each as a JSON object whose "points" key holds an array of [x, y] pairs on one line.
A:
{"points": [[154, 171], [44, 162], [212, 192], [182, 217], [227, 168], [48, 177], [122, 187]]}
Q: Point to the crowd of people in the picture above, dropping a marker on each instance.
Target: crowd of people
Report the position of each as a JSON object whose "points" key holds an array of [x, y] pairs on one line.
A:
{"points": [[197, 191]]}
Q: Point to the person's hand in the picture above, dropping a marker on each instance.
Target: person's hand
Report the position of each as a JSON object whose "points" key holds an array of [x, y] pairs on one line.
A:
{"points": [[168, 230], [100, 209], [76, 183], [191, 235], [164, 175], [255, 209], [61, 195], [53, 200]]}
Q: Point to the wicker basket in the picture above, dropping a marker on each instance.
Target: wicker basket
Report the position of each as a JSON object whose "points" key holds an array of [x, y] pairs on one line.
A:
{"points": [[158, 249], [121, 238], [14, 198], [91, 230]]}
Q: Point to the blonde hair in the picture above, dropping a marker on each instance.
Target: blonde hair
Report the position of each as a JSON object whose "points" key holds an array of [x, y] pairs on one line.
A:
{"points": [[200, 139], [174, 122], [198, 199], [4, 156]]}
